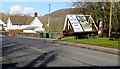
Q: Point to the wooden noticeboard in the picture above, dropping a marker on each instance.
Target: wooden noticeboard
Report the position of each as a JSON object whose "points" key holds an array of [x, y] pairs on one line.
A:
{"points": [[80, 24]]}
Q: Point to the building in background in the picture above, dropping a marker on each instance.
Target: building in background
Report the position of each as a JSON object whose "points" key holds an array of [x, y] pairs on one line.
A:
{"points": [[2, 25], [24, 24]]}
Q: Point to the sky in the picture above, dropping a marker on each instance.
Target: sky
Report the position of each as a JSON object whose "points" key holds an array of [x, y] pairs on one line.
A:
{"points": [[40, 6], [29, 8]]}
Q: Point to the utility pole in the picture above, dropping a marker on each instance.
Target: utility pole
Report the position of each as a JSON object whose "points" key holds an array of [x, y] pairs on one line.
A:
{"points": [[110, 19], [49, 19]]}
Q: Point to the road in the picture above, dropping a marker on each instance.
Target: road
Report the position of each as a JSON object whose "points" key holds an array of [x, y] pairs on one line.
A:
{"points": [[39, 52]]}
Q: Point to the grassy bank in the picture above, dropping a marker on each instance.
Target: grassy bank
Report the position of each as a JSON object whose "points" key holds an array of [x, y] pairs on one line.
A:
{"points": [[96, 41]]}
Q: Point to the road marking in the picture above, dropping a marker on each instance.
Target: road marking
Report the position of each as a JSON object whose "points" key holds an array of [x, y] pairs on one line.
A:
{"points": [[56, 44], [60, 55], [36, 49], [0, 59]]}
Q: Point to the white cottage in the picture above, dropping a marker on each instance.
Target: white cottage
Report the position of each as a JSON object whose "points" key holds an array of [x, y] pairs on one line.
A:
{"points": [[2, 24], [25, 24]]}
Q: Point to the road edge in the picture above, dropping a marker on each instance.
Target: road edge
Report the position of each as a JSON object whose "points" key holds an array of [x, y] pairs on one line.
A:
{"points": [[86, 46]]}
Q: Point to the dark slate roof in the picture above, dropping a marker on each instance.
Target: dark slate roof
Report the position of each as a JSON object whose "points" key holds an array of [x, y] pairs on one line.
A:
{"points": [[21, 20]]}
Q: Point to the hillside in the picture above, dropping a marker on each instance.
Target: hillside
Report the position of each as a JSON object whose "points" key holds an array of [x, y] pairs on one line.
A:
{"points": [[57, 19]]}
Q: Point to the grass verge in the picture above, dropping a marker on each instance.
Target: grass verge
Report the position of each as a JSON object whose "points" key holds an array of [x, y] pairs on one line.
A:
{"points": [[105, 42]]}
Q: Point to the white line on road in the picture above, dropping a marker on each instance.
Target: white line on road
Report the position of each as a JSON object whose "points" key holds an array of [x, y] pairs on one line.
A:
{"points": [[0, 59], [59, 55], [36, 49]]}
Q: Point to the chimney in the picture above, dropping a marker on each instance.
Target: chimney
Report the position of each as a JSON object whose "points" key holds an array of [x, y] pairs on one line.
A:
{"points": [[35, 14]]}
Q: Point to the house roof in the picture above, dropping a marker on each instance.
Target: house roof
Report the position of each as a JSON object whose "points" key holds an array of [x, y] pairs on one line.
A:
{"points": [[21, 20]]}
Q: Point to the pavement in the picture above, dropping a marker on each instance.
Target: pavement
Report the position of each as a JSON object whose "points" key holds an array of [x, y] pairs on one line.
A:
{"points": [[92, 47]]}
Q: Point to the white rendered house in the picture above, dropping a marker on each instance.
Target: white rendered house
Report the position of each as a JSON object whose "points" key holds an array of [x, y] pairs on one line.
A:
{"points": [[24, 24], [2, 24]]}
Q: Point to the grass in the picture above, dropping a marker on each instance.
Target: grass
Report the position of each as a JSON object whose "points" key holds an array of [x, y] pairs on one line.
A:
{"points": [[105, 42]]}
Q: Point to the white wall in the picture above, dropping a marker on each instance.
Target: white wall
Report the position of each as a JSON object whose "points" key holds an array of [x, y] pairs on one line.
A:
{"points": [[36, 22], [0, 27], [18, 27], [29, 31], [24, 26]]}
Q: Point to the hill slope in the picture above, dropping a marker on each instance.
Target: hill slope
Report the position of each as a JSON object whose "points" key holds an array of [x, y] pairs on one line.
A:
{"points": [[57, 19]]}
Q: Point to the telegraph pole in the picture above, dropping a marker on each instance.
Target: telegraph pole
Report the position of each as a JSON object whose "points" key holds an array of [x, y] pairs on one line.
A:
{"points": [[49, 19], [110, 19]]}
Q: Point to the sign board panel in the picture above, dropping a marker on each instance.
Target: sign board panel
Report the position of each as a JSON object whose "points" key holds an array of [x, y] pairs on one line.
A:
{"points": [[75, 23], [85, 25], [79, 23]]}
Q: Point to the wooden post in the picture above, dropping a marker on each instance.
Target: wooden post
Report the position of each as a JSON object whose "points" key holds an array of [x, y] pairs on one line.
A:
{"points": [[110, 19], [49, 19]]}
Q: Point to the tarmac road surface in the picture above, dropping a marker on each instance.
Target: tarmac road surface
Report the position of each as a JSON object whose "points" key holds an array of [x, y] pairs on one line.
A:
{"points": [[39, 52]]}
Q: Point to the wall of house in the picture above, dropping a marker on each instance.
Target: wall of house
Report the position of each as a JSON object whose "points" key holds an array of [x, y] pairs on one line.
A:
{"points": [[24, 26], [0, 28], [36, 22], [18, 26], [29, 31]]}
